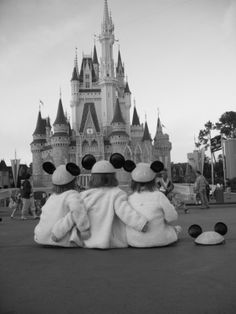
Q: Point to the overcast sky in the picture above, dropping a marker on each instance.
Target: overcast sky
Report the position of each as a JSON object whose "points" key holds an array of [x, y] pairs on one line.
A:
{"points": [[179, 56]]}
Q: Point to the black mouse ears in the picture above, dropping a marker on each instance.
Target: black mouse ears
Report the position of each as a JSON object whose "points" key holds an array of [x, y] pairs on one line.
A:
{"points": [[116, 159], [156, 166], [88, 161], [221, 228], [195, 230], [49, 167], [72, 168]]}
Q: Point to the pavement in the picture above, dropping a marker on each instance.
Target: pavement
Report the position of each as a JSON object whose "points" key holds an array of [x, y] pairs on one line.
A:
{"points": [[183, 278]]}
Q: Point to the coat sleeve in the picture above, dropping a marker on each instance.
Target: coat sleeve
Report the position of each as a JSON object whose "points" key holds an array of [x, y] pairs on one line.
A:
{"points": [[77, 215], [127, 213], [63, 226], [170, 214]]}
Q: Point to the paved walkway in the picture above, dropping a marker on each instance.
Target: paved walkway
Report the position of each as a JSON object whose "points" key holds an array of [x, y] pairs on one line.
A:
{"points": [[184, 278]]}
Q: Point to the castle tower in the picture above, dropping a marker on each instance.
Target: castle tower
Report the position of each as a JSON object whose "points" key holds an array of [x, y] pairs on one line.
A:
{"points": [[120, 72], [147, 144], [95, 62], [162, 147], [119, 138], [60, 138], [39, 140], [136, 128], [107, 79], [74, 92]]}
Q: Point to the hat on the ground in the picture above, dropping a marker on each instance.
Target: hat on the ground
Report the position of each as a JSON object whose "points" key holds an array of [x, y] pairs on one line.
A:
{"points": [[63, 174], [208, 237]]}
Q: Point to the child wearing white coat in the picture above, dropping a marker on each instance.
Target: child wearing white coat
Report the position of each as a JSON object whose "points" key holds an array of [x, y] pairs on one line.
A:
{"points": [[154, 205], [64, 220], [108, 208]]}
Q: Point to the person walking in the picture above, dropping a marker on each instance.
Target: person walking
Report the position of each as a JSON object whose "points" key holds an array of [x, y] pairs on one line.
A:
{"points": [[200, 186], [27, 198]]}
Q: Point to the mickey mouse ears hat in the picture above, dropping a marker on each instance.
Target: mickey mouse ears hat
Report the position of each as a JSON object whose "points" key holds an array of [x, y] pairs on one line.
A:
{"points": [[208, 237], [144, 172], [63, 174], [103, 166]]}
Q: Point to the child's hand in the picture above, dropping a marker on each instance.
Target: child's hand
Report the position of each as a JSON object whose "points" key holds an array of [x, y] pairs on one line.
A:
{"points": [[145, 228], [85, 235], [54, 238]]}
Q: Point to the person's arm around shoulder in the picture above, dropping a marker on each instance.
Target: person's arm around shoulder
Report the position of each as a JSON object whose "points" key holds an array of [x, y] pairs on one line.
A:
{"points": [[128, 214], [170, 213], [77, 215]]}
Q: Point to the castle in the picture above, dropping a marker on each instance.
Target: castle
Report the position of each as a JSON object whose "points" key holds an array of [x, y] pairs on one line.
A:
{"points": [[100, 104]]}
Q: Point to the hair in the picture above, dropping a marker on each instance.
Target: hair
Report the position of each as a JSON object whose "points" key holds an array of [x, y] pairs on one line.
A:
{"points": [[199, 172], [99, 180], [143, 186], [58, 189]]}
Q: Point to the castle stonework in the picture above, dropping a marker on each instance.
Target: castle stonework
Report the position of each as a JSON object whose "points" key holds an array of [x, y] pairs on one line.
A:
{"points": [[100, 105]]}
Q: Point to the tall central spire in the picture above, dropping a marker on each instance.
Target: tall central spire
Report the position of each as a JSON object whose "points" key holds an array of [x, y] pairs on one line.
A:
{"points": [[106, 19]]}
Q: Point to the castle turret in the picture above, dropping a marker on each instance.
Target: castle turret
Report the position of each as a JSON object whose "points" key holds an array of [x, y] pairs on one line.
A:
{"points": [[107, 80], [95, 62], [39, 140], [120, 72], [147, 144], [118, 137], [60, 138], [74, 91], [162, 147], [136, 129]]}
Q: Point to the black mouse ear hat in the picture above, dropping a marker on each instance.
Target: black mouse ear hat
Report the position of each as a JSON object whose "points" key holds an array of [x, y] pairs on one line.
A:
{"points": [[63, 174], [49, 167], [129, 165], [194, 231], [157, 166], [88, 161], [117, 160], [221, 228]]}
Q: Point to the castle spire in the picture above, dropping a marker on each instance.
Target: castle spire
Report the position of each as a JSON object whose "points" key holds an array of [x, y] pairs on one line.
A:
{"points": [[118, 118], [60, 119], [40, 126], [95, 57], [75, 69], [159, 126], [135, 120], [146, 133], [106, 19]]}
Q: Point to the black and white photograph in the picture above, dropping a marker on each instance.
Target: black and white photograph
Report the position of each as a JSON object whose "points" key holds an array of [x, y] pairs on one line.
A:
{"points": [[118, 156]]}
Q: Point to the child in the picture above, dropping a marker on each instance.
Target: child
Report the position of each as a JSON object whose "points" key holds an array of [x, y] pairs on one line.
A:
{"points": [[108, 209], [154, 205], [12, 204], [64, 210]]}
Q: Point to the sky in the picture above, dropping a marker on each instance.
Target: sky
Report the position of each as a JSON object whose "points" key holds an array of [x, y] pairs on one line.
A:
{"points": [[179, 58]]}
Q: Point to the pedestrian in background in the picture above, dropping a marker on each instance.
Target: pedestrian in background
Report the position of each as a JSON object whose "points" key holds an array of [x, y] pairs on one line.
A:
{"points": [[200, 187], [27, 198]]}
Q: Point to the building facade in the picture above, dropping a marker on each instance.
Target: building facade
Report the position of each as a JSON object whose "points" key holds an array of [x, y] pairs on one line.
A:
{"points": [[101, 122]]}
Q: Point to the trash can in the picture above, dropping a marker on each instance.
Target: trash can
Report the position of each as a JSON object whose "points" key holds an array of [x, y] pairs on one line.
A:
{"points": [[219, 195]]}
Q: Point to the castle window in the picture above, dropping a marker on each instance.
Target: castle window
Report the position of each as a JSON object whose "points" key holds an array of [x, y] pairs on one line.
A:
{"points": [[87, 76], [87, 85]]}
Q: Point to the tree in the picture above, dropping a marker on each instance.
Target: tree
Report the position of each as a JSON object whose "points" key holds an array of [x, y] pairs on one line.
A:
{"points": [[204, 135], [227, 124]]}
